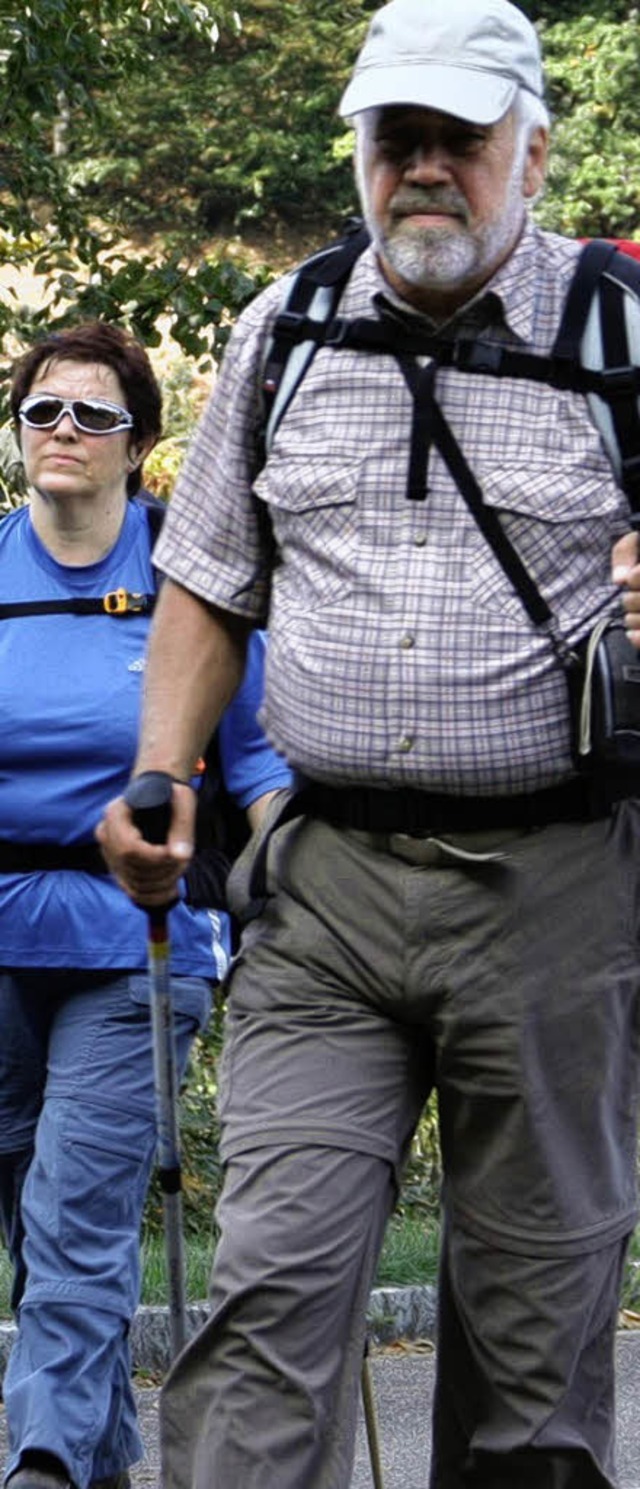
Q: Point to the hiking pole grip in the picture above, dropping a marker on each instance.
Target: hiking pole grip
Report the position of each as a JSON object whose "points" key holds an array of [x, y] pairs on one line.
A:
{"points": [[148, 797]]}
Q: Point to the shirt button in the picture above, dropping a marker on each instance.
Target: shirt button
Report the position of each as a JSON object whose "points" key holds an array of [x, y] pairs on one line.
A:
{"points": [[405, 743], [420, 540], [407, 641]]}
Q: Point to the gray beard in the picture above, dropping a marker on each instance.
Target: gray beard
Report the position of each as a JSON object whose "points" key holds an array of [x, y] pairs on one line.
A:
{"points": [[441, 259], [435, 259]]}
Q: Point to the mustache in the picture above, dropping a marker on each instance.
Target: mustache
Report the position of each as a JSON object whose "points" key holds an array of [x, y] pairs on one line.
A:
{"points": [[415, 199]]}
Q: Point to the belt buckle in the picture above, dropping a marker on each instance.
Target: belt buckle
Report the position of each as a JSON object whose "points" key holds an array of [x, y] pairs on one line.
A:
{"points": [[430, 849], [420, 848]]}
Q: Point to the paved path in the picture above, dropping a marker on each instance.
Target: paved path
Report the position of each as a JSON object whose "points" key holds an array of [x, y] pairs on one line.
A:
{"points": [[403, 1384]]}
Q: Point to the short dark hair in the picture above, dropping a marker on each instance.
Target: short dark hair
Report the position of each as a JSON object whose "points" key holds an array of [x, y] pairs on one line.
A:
{"points": [[98, 341]]}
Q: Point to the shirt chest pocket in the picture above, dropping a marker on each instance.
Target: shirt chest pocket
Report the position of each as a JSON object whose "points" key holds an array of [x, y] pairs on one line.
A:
{"points": [[561, 520], [314, 512]]}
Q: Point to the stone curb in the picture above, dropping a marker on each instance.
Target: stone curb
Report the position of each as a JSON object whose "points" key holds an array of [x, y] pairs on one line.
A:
{"points": [[394, 1313]]}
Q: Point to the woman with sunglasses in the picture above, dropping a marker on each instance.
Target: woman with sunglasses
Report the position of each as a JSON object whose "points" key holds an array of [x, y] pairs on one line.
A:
{"points": [[77, 1129]]}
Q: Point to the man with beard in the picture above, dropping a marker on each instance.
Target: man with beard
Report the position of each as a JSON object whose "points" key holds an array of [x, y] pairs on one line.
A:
{"points": [[445, 906]]}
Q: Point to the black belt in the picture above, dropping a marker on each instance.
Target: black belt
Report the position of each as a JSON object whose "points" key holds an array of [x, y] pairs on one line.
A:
{"points": [[371, 809], [34, 858], [420, 814]]}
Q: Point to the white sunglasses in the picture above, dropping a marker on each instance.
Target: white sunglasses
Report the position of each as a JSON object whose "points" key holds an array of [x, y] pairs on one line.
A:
{"points": [[90, 415]]}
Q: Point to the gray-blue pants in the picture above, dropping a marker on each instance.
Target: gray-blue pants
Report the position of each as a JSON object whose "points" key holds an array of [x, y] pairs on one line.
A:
{"points": [[380, 967], [77, 1142]]}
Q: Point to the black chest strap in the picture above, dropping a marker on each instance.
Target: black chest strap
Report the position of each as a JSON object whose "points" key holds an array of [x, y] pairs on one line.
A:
{"points": [[485, 358], [116, 602]]}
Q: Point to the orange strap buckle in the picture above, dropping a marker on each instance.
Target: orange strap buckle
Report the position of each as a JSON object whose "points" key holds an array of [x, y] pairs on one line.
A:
{"points": [[120, 602]]}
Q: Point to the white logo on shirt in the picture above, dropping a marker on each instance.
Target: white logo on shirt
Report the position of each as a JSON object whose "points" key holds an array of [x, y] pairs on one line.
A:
{"points": [[137, 666]]}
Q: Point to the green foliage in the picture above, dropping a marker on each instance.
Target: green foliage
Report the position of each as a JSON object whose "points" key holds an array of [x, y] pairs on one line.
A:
{"points": [[56, 54], [70, 65], [238, 136], [170, 109], [201, 301], [198, 1258], [420, 1193], [189, 117], [201, 1168], [540, 11], [195, 305], [184, 392], [12, 480], [592, 67]]}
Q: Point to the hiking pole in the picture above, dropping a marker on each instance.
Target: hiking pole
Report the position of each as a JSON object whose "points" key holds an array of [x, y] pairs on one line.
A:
{"points": [[149, 797], [371, 1420]]}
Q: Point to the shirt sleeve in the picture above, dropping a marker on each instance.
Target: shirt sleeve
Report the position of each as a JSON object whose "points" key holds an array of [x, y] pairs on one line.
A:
{"points": [[250, 765], [216, 539]]}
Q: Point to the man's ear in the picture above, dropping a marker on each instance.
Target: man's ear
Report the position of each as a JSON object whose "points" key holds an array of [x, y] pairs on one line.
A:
{"points": [[535, 166]]}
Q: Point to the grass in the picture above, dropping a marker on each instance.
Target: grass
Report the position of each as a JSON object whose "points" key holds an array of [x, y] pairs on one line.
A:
{"points": [[198, 1253], [410, 1252], [409, 1256]]}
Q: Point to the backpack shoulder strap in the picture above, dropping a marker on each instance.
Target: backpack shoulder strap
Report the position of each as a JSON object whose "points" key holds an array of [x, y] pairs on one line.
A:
{"points": [[600, 330], [588, 272], [315, 289], [155, 509]]}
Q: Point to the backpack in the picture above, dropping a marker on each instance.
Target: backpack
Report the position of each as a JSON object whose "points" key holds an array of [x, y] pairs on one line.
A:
{"points": [[596, 350]]}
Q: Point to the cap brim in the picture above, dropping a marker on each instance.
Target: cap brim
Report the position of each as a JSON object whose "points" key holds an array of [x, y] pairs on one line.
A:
{"points": [[465, 92]]}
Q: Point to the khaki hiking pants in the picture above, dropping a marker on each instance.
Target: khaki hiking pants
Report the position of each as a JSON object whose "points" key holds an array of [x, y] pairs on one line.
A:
{"points": [[504, 970]]}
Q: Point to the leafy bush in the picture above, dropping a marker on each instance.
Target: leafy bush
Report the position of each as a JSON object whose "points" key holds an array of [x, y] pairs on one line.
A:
{"points": [[594, 177], [201, 1169], [187, 118]]}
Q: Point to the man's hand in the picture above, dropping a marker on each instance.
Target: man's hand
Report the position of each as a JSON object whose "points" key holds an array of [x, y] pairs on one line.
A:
{"points": [[626, 573], [149, 872]]}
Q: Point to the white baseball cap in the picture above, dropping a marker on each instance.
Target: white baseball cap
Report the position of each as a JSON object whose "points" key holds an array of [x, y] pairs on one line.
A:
{"points": [[462, 57]]}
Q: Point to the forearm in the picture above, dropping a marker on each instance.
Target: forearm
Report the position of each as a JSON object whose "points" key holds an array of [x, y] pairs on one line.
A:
{"points": [[195, 662]]}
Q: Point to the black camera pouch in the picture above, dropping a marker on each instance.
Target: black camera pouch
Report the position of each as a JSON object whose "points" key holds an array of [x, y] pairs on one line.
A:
{"points": [[605, 688]]}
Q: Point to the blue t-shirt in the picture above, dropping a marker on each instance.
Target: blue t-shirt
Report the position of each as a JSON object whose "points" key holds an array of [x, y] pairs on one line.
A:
{"points": [[70, 694]]}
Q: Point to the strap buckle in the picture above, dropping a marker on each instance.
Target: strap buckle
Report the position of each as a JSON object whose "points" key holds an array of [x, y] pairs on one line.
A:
{"points": [[619, 382], [476, 356], [121, 602], [288, 324], [337, 331]]}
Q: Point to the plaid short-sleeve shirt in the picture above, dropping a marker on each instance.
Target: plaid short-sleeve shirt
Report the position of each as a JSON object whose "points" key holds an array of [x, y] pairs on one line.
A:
{"points": [[399, 653]]}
